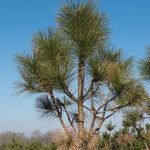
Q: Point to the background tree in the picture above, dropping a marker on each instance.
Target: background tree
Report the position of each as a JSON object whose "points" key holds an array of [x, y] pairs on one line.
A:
{"points": [[110, 127], [80, 78], [134, 120], [144, 66]]}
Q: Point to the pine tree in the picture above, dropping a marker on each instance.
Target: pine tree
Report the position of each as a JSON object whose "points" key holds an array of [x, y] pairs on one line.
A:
{"points": [[77, 74]]}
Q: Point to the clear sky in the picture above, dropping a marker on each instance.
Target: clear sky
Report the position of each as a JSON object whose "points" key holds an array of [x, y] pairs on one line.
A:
{"points": [[20, 19]]}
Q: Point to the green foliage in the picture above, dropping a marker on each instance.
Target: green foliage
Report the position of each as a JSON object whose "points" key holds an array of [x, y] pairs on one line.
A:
{"points": [[34, 145], [16, 141], [15, 144], [132, 117], [45, 106], [144, 66], [110, 66], [48, 67], [110, 127], [85, 27], [134, 95], [120, 140]]}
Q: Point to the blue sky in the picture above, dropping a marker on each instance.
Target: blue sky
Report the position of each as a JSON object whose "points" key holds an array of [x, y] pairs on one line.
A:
{"points": [[20, 19]]}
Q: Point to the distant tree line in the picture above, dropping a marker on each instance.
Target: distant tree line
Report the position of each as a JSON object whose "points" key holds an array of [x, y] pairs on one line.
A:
{"points": [[18, 141]]}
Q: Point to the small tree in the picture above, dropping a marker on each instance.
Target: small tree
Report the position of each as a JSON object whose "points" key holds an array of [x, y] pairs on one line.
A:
{"points": [[110, 128], [133, 119], [80, 78]]}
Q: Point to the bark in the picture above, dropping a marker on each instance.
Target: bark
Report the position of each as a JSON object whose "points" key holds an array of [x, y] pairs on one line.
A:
{"points": [[80, 97], [63, 125], [59, 113], [102, 119], [69, 119], [92, 123]]}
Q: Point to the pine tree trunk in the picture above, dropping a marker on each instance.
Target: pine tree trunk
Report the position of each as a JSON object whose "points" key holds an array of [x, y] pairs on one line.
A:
{"points": [[64, 126], [80, 97]]}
